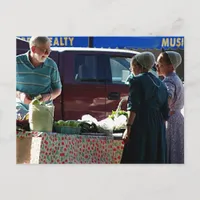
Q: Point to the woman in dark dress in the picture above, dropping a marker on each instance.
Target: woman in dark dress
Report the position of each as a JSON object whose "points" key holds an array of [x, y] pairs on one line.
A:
{"points": [[145, 135]]}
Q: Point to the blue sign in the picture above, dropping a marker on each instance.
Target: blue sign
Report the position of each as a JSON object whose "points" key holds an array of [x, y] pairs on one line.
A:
{"points": [[64, 41], [154, 42], [139, 42]]}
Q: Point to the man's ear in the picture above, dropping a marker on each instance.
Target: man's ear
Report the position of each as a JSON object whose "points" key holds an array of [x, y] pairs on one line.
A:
{"points": [[33, 48]]}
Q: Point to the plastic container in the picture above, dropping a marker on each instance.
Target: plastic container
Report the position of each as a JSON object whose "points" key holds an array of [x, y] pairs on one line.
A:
{"points": [[68, 130]]}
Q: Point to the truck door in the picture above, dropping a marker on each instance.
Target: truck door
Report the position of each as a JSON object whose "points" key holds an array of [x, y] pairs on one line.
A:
{"points": [[117, 88], [84, 88]]}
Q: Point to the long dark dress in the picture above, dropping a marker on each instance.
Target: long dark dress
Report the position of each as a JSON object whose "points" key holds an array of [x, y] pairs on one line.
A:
{"points": [[148, 98]]}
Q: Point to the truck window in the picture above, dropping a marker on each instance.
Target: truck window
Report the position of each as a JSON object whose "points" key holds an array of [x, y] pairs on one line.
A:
{"points": [[120, 69], [87, 70]]}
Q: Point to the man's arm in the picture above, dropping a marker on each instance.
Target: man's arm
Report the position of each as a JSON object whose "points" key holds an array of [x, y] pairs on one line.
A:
{"points": [[23, 97], [56, 93], [56, 85]]}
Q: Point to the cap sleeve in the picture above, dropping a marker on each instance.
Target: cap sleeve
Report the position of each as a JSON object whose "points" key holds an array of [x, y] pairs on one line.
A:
{"points": [[134, 98], [170, 88], [55, 78]]}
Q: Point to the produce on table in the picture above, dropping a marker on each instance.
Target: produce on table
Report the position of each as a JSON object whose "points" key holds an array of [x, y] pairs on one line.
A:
{"points": [[120, 122], [85, 126], [120, 112], [88, 127], [120, 119], [106, 125], [67, 127], [88, 124], [68, 123], [59, 123], [72, 123]]}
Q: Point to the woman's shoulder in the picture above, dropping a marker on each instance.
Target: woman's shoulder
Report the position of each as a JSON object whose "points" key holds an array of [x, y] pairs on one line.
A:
{"points": [[139, 79], [172, 77], [155, 81], [134, 81], [136, 78], [169, 78], [146, 79], [172, 80]]}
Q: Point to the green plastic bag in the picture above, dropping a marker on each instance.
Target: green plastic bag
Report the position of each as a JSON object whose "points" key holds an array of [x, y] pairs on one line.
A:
{"points": [[41, 117]]}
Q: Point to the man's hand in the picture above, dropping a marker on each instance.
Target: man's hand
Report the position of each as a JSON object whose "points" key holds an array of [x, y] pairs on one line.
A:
{"points": [[24, 98], [45, 97]]}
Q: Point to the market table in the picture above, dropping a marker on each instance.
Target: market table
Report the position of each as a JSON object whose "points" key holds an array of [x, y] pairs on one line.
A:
{"points": [[54, 148]]}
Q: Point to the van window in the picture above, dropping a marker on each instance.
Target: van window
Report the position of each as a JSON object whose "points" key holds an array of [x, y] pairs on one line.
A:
{"points": [[120, 69]]}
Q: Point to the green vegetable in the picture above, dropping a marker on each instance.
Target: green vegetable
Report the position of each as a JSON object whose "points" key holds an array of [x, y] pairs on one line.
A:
{"points": [[121, 112], [72, 123], [60, 123]]}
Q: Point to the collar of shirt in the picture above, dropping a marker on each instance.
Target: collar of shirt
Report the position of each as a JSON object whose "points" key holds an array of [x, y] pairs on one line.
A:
{"points": [[27, 56]]}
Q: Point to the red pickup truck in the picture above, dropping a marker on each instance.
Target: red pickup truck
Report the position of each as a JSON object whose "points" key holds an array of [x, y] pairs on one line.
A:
{"points": [[94, 80]]}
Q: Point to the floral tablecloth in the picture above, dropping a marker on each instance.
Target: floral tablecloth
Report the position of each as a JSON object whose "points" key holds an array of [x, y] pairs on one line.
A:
{"points": [[54, 148], [117, 148]]}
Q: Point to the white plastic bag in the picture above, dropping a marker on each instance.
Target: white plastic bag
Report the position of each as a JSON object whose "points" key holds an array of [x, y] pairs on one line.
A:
{"points": [[41, 117], [106, 126], [120, 122], [89, 118]]}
